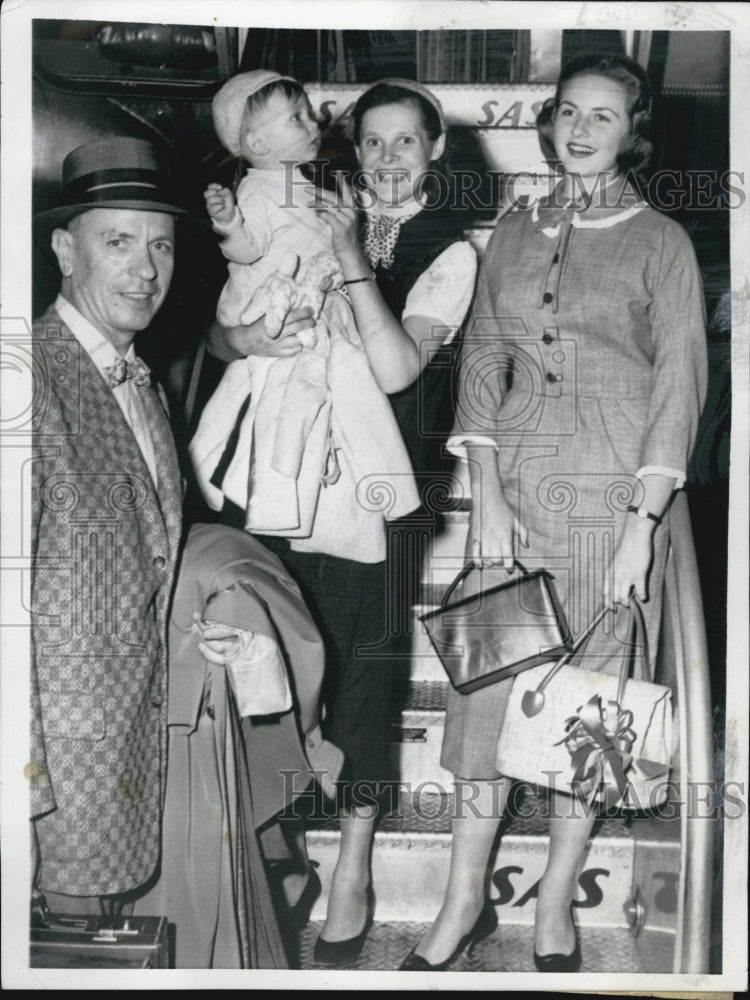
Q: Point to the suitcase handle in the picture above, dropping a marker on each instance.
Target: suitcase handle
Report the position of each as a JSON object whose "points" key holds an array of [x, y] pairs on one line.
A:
{"points": [[462, 576]]}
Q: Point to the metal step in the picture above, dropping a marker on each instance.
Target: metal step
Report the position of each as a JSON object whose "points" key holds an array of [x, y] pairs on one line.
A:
{"points": [[412, 853], [509, 949], [418, 739]]}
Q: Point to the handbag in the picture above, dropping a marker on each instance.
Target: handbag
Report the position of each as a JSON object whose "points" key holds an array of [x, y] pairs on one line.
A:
{"points": [[604, 738], [498, 632]]}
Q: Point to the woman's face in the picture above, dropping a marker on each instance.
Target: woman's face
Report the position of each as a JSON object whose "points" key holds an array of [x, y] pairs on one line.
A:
{"points": [[590, 124], [394, 151]]}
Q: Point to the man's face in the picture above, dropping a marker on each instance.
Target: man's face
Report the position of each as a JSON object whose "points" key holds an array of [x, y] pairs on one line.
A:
{"points": [[117, 265]]}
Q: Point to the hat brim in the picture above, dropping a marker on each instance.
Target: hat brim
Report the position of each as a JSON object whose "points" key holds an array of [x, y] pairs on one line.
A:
{"points": [[53, 218]]}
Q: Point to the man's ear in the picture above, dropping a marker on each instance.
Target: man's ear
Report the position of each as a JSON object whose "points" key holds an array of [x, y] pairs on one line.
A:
{"points": [[62, 244], [256, 144]]}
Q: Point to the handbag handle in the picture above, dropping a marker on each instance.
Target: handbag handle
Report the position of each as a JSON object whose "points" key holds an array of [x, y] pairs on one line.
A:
{"points": [[636, 638], [533, 701], [463, 573]]}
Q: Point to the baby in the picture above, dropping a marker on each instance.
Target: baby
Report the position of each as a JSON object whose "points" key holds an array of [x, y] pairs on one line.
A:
{"points": [[266, 120], [288, 440]]}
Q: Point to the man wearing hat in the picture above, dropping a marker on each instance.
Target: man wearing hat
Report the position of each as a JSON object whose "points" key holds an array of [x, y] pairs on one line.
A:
{"points": [[106, 522]]}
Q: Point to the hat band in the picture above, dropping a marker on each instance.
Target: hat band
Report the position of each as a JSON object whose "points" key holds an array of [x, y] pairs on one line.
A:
{"points": [[99, 181]]}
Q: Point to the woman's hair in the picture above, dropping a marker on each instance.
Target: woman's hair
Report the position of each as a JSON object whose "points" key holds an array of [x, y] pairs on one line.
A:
{"points": [[635, 151], [386, 93], [258, 100]]}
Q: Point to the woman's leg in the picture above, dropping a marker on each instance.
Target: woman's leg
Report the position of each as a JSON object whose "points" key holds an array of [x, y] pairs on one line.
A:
{"points": [[569, 831], [348, 897], [474, 828]]}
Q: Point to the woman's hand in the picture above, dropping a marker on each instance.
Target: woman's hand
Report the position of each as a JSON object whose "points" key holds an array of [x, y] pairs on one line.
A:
{"points": [[495, 536], [631, 563], [495, 531], [339, 213], [231, 343], [634, 554]]}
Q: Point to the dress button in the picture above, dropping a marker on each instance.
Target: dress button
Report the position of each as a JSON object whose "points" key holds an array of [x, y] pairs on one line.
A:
{"points": [[547, 338], [157, 700], [548, 296], [159, 562], [556, 259]]}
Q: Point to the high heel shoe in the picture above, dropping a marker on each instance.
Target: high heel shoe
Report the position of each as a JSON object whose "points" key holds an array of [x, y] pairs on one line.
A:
{"points": [[557, 961], [485, 925], [340, 953]]}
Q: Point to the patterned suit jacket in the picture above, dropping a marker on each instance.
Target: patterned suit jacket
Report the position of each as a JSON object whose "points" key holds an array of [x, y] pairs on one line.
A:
{"points": [[104, 544]]}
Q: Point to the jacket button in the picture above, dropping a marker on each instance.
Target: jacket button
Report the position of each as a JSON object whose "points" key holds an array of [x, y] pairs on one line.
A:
{"points": [[547, 297], [157, 701], [547, 338], [159, 563]]}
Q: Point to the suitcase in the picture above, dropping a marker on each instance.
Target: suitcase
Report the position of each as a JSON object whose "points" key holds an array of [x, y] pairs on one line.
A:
{"points": [[97, 942]]}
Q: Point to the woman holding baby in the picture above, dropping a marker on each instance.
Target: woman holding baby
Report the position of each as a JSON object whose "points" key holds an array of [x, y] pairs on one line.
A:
{"points": [[408, 277]]}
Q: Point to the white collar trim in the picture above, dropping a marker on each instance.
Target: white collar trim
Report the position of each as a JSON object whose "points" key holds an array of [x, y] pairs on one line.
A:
{"points": [[581, 223]]}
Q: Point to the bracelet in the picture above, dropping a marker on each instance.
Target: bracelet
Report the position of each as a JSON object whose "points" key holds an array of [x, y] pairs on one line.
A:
{"points": [[356, 281], [644, 513]]}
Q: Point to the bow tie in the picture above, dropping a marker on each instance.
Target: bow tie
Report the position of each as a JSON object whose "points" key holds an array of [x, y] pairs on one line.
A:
{"points": [[121, 370], [550, 215]]}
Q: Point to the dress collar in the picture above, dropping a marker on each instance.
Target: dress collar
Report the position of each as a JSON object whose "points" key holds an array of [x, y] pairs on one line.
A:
{"points": [[399, 213], [610, 204]]}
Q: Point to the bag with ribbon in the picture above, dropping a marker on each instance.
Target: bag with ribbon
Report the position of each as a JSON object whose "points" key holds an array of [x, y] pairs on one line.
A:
{"points": [[498, 632], [604, 738]]}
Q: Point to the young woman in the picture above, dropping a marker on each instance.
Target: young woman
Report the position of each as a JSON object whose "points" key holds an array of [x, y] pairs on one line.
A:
{"points": [[593, 301]]}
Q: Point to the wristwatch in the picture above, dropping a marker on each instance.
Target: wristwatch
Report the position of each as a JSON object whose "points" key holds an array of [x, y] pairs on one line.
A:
{"points": [[645, 513]]}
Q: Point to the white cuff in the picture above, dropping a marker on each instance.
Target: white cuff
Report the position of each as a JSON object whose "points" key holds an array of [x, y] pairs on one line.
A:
{"points": [[456, 443], [662, 470], [225, 228]]}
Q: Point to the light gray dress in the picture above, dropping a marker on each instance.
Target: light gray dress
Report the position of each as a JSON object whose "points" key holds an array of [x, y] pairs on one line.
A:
{"points": [[585, 364]]}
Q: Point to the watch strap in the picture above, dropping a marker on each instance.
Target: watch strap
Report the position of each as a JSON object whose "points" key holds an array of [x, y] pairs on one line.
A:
{"points": [[644, 513]]}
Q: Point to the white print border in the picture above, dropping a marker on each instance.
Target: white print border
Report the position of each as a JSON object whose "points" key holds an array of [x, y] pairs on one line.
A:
{"points": [[15, 255]]}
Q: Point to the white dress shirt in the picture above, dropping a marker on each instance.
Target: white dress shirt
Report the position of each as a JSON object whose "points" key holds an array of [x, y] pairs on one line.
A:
{"points": [[103, 354]]}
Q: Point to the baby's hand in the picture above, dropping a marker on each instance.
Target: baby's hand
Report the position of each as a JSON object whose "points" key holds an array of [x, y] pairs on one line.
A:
{"points": [[220, 203]]}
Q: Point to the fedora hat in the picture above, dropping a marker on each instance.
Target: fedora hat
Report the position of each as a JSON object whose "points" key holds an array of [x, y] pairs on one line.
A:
{"points": [[111, 173]]}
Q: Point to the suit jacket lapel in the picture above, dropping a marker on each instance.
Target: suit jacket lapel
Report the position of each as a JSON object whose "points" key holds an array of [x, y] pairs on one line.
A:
{"points": [[169, 491], [167, 497]]}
